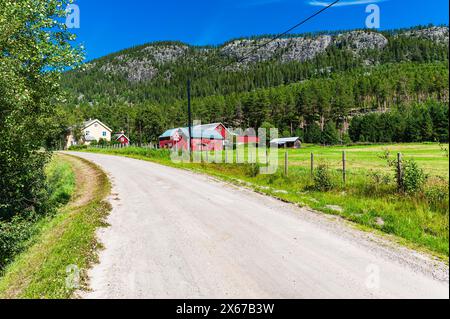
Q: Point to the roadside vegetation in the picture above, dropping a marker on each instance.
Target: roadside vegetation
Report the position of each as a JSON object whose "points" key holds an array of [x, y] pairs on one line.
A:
{"points": [[35, 50], [417, 214], [50, 262], [16, 234]]}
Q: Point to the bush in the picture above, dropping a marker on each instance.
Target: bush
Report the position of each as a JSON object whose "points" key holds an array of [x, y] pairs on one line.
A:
{"points": [[437, 196], [13, 237], [414, 178], [252, 170], [322, 179], [60, 182], [16, 232], [376, 181], [77, 147]]}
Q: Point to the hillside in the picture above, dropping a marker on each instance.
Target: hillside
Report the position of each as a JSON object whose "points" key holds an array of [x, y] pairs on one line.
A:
{"points": [[147, 84]]}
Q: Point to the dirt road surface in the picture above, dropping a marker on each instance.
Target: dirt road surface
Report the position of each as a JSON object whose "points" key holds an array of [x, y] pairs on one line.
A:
{"points": [[176, 234]]}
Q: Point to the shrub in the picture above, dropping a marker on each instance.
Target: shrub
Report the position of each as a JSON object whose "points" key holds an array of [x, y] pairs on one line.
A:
{"points": [[322, 178], [252, 170], [60, 182], [15, 233], [414, 177], [437, 196], [103, 142], [77, 147], [13, 237], [376, 181]]}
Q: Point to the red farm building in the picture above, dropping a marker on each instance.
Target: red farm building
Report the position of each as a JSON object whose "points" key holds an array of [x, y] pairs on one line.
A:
{"points": [[121, 138], [211, 137]]}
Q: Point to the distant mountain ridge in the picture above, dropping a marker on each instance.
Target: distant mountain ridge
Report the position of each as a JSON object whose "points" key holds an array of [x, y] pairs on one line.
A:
{"points": [[141, 64], [158, 71]]}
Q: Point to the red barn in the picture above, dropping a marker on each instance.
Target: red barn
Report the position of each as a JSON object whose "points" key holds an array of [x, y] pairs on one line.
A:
{"points": [[204, 137], [122, 138]]}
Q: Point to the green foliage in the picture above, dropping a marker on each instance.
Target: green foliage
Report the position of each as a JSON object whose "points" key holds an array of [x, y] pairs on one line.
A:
{"points": [[60, 182], [323, 180], [330, 135], [35, 49], [77, 147], [414, 177], [417, 123], [437, 195], [16, 232], [13, 237], [313, 134], [102, 142], [252, 170]]}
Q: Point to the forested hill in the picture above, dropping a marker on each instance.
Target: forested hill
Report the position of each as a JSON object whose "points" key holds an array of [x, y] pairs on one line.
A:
{"points": [[334, 76], [158, 71]]}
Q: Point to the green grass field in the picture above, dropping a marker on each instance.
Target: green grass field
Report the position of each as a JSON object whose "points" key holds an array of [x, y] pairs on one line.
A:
{"points": [[369, 198], [429, 156]]}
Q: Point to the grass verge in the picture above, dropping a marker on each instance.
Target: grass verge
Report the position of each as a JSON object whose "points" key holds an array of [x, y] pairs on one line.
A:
{"points": [[64, 246]]}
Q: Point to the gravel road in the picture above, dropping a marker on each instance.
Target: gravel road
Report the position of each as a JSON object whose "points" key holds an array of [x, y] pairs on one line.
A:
{"points": [[176, 234]]}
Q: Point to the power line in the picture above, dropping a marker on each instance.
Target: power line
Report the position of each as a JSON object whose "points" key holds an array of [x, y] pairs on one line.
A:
{"points": [[245, 57]]}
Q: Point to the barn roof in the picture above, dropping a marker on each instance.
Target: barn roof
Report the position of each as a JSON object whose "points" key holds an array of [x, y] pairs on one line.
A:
{"points": [[119, 135], [199, 131], [285, 140]]}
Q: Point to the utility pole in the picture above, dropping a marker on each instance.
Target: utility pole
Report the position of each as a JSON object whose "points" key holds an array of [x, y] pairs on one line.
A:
{"points": [[189, 118]]}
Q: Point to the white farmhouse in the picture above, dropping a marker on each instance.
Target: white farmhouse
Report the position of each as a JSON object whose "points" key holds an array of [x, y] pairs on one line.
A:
{"points": [[92, 130]]}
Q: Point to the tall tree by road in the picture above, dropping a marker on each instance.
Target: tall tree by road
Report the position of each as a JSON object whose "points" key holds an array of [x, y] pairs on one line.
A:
{"points": [[35, 47]]}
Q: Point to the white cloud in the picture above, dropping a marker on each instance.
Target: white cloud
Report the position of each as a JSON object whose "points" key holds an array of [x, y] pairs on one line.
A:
{"points": [[343, 3]]}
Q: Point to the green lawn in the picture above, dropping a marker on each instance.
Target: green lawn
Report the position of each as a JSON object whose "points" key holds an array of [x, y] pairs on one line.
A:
{"points": [[369, 198]]}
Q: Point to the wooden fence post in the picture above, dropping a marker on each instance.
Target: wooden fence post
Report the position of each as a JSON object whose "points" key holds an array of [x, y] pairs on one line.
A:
{"points": [[286, 163], [344, 167], [312, 164], [399, 172]]}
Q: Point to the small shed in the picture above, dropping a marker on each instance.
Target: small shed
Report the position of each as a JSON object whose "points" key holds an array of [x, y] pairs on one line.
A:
{"points": [[288, 142], [122, 138]]}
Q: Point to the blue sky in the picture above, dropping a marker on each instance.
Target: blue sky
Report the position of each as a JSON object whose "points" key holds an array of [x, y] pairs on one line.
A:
{"points": [[108, 26]]}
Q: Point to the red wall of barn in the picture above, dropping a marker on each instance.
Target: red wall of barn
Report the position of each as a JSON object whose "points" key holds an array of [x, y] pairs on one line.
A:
{"points": [[211, 145], [247, 139], [124, 141]]}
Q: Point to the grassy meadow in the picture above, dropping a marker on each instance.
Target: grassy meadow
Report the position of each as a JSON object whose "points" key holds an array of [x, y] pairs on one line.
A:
{"points": [[431, 157], [369, 198]]}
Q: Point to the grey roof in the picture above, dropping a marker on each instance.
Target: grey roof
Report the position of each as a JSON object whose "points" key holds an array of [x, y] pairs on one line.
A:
{"points": [[199, 131], [285, 140]]}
